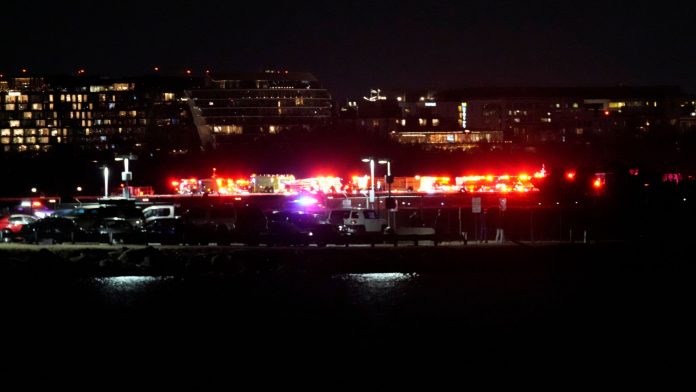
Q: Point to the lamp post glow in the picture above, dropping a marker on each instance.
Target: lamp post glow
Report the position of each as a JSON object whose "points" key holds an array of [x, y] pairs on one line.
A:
{"points": [[126, 175], [389, 181], [106, 182], [372, 178]]}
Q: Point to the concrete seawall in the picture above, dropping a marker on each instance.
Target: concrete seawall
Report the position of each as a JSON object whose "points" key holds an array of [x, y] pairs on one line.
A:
{"points": [[238, 261]]}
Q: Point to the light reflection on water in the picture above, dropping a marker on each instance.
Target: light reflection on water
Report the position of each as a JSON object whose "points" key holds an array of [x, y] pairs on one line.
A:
{"points": [[381, 278], [378, 287], [128, 283]]}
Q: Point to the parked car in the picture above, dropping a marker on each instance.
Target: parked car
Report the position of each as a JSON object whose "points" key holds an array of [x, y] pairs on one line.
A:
{"points": [[356, 221], [116, 230], [170, 231], [160, 211], [55, 229], [88, 217], [299, 228], [15, 222]]}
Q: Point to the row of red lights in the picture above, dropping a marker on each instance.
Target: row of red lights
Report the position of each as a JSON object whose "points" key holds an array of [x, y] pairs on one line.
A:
{"points": [[597, 182]]}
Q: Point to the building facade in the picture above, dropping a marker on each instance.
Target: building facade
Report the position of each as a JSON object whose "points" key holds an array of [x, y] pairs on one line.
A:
{"points": [[465, 118], [233, 106], [38, 113]]}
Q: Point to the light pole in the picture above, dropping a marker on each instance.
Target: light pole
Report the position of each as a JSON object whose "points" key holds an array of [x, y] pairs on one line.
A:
{"points": [[125, 174], [372, 178], [389, 180], [106, 182]]}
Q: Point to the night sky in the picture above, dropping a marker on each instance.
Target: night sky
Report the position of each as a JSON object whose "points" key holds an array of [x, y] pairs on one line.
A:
{"points": [[352, 46]]}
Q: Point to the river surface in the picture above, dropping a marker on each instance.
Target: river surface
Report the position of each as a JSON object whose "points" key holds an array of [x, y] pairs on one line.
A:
{"points": [[563, 307]]}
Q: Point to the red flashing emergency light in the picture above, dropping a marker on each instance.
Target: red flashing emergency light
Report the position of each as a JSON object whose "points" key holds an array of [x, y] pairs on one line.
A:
{"points": [[570, 175]]}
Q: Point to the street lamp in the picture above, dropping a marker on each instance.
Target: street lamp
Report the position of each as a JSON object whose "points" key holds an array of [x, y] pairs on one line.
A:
{"points": [[372, 178], [389, 179], [33, 190], [125, 174], [106, 182]]}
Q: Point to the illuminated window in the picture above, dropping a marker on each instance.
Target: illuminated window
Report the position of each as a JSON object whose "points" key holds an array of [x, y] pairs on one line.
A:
{"points": [[50, 106], [18, 132], [30, 140], [40, 123], [5, 132], [79, 98], [62, 97], [121, 86], [575, 105], [9, 106], [5, 140], [50, 98], [168, 96], [403, 122], [36, 106], [25, 99], [55, 132], [228, 129], [616, 105], [436, 122], [462, 114], [14, 123], [422, 122], [43, 140]]}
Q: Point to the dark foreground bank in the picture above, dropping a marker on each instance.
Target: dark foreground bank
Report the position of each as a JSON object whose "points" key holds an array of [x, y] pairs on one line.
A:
{"points": [[621, 299]]}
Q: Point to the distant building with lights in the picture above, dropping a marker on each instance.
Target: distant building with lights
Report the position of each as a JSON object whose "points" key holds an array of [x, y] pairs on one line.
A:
{"points": [[466, 118], [38, 113], [233, 106]]}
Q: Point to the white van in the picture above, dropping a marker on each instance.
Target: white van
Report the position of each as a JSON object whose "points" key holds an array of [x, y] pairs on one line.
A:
{"points": [[356, 220]]}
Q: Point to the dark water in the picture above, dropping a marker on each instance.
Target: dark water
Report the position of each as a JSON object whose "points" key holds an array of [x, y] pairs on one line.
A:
{"points": [[602, 308]]}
